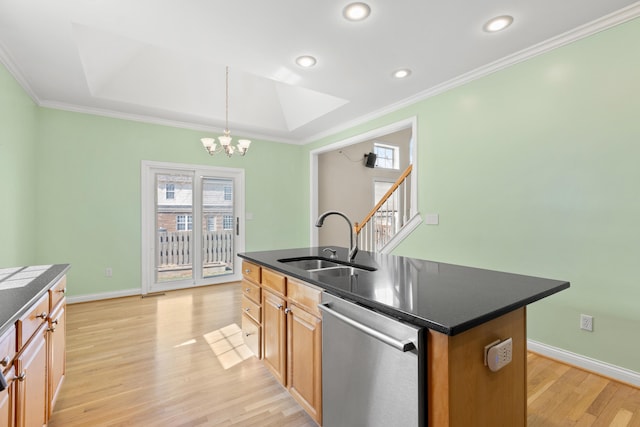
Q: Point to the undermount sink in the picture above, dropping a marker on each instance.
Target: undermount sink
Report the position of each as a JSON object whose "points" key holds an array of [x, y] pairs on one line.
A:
{"points": [[326, 266]]}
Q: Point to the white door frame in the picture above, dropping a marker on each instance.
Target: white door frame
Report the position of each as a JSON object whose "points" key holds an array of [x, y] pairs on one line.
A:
{"points": [[148, 228], [411, 122]]}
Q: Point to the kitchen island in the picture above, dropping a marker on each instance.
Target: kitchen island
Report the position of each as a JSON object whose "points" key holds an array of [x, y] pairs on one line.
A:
{"points": [[463, 310]]}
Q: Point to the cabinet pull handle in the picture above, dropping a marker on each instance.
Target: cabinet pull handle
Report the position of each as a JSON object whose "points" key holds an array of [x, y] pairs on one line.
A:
{"points": [[42, 315], [54, 322], [51, 329], [247, 334], [62, 291], [279, 306], [248, 290], [4, 362], [21, 377], [247, 309], [287, 310]]}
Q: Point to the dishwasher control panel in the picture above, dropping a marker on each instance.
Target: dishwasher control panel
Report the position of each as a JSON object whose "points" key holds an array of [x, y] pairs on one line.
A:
{"points": [[498, 354]]}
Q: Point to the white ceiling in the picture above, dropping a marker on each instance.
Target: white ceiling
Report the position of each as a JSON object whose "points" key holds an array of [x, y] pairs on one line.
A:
{"points": [[163, 61]]}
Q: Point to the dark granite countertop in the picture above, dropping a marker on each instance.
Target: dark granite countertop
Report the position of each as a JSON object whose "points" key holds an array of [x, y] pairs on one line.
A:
{"points": [[447, 298], [20, 287]]}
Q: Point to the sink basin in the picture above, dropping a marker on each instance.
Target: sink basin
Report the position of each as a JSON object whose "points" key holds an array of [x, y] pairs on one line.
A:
{"points": [[342, 271], [310, 263], [327, 266]]}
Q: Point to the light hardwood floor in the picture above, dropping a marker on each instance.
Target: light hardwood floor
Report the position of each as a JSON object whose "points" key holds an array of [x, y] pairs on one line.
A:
{"points": [[178, 360]]}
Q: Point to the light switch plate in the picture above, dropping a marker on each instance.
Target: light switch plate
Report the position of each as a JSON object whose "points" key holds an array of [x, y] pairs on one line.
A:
{"points": [[431, 218]]}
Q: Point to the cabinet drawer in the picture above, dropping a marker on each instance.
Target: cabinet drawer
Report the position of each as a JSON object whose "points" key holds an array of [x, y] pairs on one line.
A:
{"points": [[7, 348], [274, 281], [251, 332], [57, 292], [32, 319], [251, 291], [251, 309], [251, 271], [305, 295]]}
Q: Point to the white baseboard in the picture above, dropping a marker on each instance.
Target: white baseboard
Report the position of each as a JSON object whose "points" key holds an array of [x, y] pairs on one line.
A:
{"points": [[586, 363], [104, 295]]}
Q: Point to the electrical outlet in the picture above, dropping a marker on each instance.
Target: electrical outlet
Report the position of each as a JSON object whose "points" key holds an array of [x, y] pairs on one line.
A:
{"points": [[586, 322], [498, 354], [108, 272]]}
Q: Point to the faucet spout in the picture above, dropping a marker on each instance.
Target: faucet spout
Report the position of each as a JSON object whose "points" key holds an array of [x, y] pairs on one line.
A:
{"points": [[353, 243]]}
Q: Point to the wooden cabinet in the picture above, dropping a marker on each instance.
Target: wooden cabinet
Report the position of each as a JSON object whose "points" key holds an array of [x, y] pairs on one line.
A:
{"points": [[8, 396], [274, 334], [57, 345], [252, 307], [291, 327], [32, 358], [32, 382], [304, 360]]}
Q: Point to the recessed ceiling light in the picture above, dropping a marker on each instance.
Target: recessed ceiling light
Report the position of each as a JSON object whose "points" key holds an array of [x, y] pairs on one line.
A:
{"points": [[402, 73], [498, 23], [356, 11], [306, 61]]}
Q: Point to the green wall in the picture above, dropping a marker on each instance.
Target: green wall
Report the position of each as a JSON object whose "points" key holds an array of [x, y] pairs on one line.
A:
{"points": [[533, 169], [536, 170], [18, 209], [89, 182]]}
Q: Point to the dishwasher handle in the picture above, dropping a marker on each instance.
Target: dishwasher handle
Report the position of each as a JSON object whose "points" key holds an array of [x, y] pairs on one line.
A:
{"points": [[404, 346]]}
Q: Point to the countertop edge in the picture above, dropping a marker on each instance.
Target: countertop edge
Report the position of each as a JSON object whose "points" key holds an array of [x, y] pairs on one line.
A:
{"points": [[44, 289]]}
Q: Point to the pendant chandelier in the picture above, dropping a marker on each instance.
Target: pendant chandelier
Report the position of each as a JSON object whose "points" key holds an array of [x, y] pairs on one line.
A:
{"points": [[225, 140]]}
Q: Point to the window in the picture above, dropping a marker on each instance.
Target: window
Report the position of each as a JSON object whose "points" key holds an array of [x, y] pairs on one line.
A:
{"points": [[386, 156], [211, 223], [184, 222], [170, 191], [227, 193], [227, 222]]}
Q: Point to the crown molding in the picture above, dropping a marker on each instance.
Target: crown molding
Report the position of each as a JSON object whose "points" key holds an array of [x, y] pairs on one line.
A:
{"points": [[616, 18]]}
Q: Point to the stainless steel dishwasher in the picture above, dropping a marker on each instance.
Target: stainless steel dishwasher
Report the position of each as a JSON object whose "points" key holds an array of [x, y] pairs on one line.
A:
{"points": [[373, 368]]}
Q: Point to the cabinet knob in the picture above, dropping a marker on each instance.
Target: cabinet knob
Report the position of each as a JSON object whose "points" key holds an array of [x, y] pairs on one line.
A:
{"points": [[247, 271], [279, 306], [287, 310], [248, 309], [62, 291], [247, 290], [51, 329], [42, 315], [4, 362], [54, 322], [21, 377]]}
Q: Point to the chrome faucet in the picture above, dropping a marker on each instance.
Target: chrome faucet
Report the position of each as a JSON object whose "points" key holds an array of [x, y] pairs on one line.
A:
{"points": [[353, 243]]}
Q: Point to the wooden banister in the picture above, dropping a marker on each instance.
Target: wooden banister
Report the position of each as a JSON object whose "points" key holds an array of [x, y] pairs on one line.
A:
{"points": [[359, 226]]}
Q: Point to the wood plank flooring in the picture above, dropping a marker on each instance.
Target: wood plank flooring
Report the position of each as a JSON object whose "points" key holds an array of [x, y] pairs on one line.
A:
{"points": [[178, 360]]}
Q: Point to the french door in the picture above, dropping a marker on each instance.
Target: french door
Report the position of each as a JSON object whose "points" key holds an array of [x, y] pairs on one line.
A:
{"points": [[192, 225]]}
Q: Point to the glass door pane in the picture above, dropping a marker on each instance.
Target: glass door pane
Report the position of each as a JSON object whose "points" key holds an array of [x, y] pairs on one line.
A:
{"points": [[218, 226], [174, 227]]}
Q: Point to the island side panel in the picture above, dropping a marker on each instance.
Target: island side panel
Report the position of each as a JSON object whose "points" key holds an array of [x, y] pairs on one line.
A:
{"points": [[464, 392]]}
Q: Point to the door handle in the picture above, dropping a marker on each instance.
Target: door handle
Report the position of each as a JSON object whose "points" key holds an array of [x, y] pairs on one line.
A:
{"points": [[404, 346]]}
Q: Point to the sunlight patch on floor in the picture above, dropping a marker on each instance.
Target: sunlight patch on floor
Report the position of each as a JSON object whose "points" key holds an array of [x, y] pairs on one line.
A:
{"points": [[228, 346]]}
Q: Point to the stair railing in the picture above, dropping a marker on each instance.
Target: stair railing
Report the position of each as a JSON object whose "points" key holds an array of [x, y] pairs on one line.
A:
{"points": [[387, 217]]}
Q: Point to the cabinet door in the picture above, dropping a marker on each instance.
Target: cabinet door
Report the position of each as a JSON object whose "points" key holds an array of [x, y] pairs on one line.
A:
{"points": [[274, 334], [32, 382], [304, 348], [8, 401], [57, 344]]}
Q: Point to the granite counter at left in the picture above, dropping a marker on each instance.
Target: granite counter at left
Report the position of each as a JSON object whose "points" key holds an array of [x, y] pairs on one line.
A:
{"points": [[20, 287]]}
